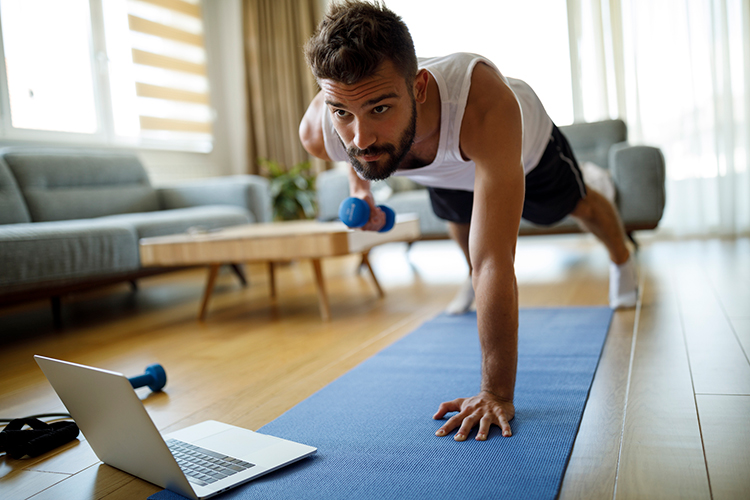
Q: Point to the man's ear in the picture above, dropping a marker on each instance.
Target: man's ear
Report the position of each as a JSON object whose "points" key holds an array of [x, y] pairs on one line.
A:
{"points": [[420, 86]]}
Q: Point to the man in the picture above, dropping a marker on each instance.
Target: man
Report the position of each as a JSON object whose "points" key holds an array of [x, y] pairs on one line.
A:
{"points": [[488, 153]]}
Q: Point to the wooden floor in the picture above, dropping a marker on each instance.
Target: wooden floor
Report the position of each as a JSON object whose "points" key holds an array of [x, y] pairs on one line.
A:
{"points": [[667, 416]]}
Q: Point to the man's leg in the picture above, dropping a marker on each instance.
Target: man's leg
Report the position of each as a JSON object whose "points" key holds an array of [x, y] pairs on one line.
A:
{"points": [[555, 188], [454, 207], [596, 214], [460, 234], [461, 303]]}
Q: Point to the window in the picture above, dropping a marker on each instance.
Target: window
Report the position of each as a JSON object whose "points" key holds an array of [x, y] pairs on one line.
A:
{"points": [[525, 40], [48, 65], [120, 72]]}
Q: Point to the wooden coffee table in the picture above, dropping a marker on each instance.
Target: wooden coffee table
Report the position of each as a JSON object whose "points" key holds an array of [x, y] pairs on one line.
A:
{"points": [[272, 242]]}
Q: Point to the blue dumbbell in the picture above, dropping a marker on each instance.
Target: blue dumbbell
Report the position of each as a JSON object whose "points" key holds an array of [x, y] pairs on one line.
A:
{"points": [[355, 212], [155, 378]]}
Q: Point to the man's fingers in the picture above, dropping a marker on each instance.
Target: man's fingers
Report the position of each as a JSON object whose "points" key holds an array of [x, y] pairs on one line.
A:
{"points": [[473, 412], [468, 423], [451, 424], [377, 219], [505, 426], [484, 427], [447, 407]]}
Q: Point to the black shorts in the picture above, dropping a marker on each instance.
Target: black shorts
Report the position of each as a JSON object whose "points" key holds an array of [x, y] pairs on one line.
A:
{"points": [[553, 189]]}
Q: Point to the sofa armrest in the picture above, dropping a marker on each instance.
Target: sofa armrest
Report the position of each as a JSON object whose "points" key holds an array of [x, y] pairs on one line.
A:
{"points": [[639, 176], [247, 191]]}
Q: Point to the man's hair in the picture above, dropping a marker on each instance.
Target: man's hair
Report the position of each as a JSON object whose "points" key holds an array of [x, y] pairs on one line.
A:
{"points": [[355, 38]]}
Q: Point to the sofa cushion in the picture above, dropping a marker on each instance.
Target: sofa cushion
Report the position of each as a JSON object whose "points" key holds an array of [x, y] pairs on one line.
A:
{"points": [[250, 191], [12, 207], [418, 202], [400, 184], [46, 251], [591, 141], [78, 184], [180, 220]]}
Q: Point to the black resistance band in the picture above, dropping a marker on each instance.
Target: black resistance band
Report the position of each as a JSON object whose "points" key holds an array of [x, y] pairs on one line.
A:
{"points": [[40, 438]]}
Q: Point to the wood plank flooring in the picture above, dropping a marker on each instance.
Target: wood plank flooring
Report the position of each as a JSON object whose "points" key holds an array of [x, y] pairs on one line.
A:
{"points": [[667, 416]]}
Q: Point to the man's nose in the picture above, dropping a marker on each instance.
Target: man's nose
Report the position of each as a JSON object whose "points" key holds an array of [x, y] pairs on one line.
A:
{"points": [[364, 135]]}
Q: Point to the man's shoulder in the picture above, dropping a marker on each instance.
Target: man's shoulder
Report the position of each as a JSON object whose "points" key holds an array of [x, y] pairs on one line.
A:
{"points": [[490, 91], [492, 111], [454, 74], [456, 58]]}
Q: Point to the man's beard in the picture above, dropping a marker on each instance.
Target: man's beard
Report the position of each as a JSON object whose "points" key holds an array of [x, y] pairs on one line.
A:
{"points": [[373, 171]]}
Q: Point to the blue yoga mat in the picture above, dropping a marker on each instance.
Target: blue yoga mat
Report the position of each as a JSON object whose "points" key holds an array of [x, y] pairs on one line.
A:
{"points": [[375, 434]]}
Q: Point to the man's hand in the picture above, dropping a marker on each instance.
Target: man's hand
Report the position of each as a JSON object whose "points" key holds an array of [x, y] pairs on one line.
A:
{"points": [[484, 409], [360, 188], [377, 216]]}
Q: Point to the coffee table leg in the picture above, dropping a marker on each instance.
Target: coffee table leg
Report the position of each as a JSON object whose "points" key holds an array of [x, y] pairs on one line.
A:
{"points": [[213, 271], [272, 278], [325, 310], [366, 261]]}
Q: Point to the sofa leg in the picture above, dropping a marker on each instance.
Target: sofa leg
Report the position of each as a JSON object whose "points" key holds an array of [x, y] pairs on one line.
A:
{"points": [[237, 268], [56, 312], [631, 237]]}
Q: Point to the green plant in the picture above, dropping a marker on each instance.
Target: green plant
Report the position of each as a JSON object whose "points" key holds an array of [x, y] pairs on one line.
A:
{"points": [[292, 191]]}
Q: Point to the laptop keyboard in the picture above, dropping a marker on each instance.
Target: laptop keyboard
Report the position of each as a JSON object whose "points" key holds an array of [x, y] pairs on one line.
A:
{"points": [[202, 466]]}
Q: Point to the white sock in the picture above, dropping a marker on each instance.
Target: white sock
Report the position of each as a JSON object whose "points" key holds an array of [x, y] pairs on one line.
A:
{"points": [[623, 284], [461, 303]]}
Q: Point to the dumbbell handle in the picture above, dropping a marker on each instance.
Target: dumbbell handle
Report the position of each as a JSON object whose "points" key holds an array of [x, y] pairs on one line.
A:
{"points": [[155, 378]]}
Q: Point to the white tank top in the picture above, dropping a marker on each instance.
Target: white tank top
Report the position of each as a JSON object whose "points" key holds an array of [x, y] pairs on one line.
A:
{"points": [[449, 170]]}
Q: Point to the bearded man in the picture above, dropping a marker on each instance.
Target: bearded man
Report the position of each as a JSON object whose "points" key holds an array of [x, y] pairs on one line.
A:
{"points": [[487, 151]]}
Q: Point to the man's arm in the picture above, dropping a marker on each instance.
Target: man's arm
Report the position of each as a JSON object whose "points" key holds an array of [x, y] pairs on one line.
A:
{"points": [[491, 136], [311, 129], [360, 188]]}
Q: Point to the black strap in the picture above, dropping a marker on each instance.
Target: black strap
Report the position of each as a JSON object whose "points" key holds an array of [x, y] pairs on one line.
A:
{"points": [[41, 438]]}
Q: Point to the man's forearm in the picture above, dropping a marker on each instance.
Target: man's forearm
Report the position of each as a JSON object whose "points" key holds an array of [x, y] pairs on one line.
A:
{"points": [[497, 315], [358, 186]]}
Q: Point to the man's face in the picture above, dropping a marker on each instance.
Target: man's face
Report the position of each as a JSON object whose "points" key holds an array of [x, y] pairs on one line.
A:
{"points": [[375, 119]]}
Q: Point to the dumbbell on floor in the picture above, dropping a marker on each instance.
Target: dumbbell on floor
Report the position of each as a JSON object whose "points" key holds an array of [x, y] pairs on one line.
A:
{"points": [[355, 212], [155, 378]]}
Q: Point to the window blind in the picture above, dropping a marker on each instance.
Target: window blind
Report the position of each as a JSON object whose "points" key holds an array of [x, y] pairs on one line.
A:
{"points": [[170, 98]]}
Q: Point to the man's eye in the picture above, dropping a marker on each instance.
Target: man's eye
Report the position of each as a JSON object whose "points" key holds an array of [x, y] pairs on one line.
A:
{"points": [[379, 110], [340, 113]]}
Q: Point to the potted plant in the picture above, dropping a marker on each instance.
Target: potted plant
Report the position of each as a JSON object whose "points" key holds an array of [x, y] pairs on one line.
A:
{"points": [[292, 191]]}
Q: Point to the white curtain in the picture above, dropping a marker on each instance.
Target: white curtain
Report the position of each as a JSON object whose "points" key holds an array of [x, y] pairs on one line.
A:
{"points": [[678, 72]]}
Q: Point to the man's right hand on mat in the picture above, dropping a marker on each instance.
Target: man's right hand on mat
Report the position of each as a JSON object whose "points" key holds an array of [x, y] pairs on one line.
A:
{"points": [[484, 409]]}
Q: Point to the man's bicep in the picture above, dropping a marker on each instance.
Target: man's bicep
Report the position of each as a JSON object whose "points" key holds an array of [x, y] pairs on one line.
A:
{"points": [[496, 214]]}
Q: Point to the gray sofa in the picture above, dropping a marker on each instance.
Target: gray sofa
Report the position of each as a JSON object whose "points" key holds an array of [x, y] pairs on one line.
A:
{"points": [[637, 172], [72, 218]]}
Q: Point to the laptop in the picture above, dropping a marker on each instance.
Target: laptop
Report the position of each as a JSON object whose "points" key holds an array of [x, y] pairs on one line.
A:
{"points": [[198, 462]]}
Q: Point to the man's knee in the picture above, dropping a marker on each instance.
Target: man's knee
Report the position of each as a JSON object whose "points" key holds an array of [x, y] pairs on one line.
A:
{"points": [[584, 209], [459, 231], [594, 206]]}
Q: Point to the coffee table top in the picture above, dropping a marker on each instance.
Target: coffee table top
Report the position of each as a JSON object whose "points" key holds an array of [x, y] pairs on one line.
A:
{"points": [[270, 241]]}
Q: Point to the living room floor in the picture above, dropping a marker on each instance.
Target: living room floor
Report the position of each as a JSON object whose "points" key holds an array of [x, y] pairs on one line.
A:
{"points": [[666, 418]]}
